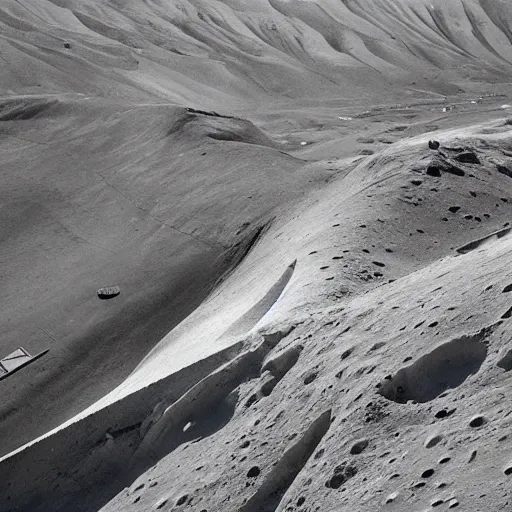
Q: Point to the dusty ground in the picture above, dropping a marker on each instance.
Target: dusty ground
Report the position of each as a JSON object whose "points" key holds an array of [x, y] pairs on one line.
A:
{"points": [[314, 305]]}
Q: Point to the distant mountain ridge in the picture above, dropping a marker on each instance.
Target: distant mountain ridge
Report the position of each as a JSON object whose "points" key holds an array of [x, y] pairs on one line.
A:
{"points": [[190, 50]]}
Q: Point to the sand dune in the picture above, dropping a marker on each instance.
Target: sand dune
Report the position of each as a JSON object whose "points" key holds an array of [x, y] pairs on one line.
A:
{"points": [[313, 304]]}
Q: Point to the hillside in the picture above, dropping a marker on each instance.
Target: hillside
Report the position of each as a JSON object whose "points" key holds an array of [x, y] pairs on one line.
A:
{"points": [[313, 309]]}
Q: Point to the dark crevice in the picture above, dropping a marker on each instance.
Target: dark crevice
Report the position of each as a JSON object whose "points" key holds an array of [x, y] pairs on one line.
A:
{"points": [[279, 479]]}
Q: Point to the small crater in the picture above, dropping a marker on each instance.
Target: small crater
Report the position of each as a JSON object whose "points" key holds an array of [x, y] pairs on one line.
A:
{"points": [[341, 474], [427, 473], [253, 472], [446, 367], [507, 314], [454, 209], [392, 497], [347, 353], [444, 460], [359, 446], [310, 378], [433, 441], [251, 400], [378, 264], [182, 500], [477, 421], [505, 361]]}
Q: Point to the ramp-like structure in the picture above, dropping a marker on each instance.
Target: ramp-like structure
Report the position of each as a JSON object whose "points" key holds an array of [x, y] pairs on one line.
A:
{"points": [[17, 360]]}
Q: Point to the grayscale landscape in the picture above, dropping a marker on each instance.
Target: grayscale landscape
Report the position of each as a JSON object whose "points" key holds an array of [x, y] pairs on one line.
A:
{"points": [[255, 256]]}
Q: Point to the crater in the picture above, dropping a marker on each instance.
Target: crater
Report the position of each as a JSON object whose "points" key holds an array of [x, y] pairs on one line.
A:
{"points": [[445, 367]]}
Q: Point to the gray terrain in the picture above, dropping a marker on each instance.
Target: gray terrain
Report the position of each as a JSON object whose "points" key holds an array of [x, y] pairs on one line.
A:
{"points": [[267, 246]]}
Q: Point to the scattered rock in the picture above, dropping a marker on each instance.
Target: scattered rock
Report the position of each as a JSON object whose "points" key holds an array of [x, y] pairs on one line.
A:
{"points": [[108, 292], [468, 157], [433, 170], [433, 144], [438, 165], [472, 456], [436, 502], [504, 170]]}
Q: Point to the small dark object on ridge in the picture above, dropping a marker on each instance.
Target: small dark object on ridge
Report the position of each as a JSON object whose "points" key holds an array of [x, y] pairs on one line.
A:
{"points": [[109, 292], [468, 157], [433, 144], [67, 45]]}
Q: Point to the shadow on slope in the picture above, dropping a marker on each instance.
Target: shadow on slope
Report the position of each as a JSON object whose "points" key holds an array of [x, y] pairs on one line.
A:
{"points": [[105, 197]]}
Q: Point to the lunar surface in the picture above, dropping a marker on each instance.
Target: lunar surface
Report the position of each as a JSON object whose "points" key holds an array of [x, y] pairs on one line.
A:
{"points": [[255, 256]]}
